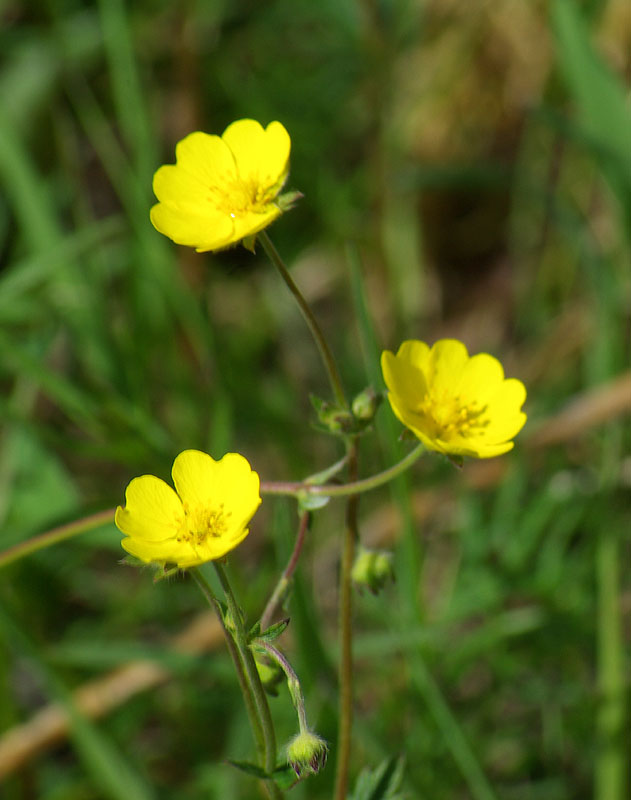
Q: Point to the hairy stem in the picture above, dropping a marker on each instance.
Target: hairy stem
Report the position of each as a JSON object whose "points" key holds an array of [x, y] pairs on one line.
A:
{"points": [[307, 313], [55, 535], [295, 489], [295, 689], [246, 691], [260, 698], [282, 587]]}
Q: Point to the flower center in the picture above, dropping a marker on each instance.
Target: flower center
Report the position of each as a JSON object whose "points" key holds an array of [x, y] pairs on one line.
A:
{"points": [[450, 417], [201, 522], [235, 197]]}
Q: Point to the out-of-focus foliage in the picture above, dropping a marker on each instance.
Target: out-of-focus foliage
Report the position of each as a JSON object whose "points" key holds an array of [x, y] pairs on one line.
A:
{"points": [[466, 174]]}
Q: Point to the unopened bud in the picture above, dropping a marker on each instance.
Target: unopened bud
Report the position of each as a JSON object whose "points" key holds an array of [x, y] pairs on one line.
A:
{"points": [[306, 753], [365, 404], [372, 569], [336, 419]]}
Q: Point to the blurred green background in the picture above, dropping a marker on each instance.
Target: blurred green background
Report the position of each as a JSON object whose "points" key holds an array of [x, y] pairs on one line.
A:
{"points": [[467, 172]]}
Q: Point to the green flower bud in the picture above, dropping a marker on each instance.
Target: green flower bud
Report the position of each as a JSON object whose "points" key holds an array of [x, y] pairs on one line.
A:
{"points": [[336, 419], [365, 404], [306, 753], [372, 569]]}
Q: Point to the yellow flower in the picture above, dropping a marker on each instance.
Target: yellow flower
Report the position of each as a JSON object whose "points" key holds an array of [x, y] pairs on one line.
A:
{"points": [[206, 519], [453, 403], [222, 188]]}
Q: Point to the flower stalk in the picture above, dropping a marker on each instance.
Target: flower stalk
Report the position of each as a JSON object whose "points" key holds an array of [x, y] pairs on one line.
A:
{"points": [[251, 671], [306, 752], [246, 690], [307, 313], [282, 587], [297, 489]]}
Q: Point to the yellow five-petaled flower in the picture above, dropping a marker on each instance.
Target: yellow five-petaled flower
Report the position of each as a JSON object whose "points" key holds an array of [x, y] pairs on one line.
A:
{"points": [[222, 188], [455, 404], [206, 519]]}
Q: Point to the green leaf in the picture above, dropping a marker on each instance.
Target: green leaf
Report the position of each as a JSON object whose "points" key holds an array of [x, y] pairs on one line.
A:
{"points": [[382, 783], [254, 632], [250, 769], [311, 502], [284, 777], [274, 631]]}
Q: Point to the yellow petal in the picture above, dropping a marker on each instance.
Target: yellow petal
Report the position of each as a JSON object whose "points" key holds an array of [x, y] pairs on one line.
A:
{"points": [[167, 552], [207, 158], [194, 230], [250, 223], [211, 550], [203, 482], [195, 478], [239, 488], [481, 377], [152, 512], [416, 352], [178, 188], [505, 419], [477, 449], [261, 156], [403, 379], [446, 364]]}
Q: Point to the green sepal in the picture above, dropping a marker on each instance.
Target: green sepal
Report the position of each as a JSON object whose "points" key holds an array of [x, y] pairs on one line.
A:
{"points": [[165, 574], [284, 777], [254, 632], [274, 631], [249, 243], [333, 418], [132, 561], [457, 461], [160, 571], [288, 200]]}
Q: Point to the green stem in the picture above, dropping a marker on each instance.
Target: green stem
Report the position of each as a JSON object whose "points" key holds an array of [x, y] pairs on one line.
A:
{"points": [[246, 691], [293, 489], [54, 536], [345, 721], [312, 323], [288, 488], [253, 676], [282, 587], [295, 690]]}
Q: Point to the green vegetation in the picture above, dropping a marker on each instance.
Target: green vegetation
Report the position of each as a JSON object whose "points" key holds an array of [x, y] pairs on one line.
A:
{"points": [[466, 171]]}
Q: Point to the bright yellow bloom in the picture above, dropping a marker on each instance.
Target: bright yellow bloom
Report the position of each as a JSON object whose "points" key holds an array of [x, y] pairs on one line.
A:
{"points": [[222, 188], [206, 519], [453, 403]]}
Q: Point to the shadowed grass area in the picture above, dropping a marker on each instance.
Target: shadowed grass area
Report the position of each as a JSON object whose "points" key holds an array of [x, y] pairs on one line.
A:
{"points": [[466, 173]]}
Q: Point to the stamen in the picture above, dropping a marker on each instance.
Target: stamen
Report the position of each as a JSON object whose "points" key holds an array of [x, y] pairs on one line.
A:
{"points": [[450, 416]]}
